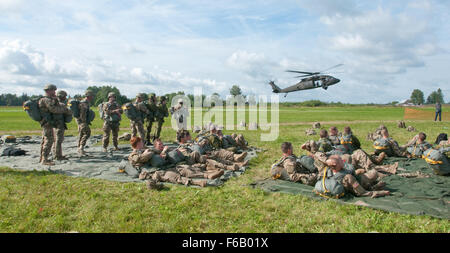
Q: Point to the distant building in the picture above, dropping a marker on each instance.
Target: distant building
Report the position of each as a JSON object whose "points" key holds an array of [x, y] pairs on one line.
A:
{"points": [[406, 102]]}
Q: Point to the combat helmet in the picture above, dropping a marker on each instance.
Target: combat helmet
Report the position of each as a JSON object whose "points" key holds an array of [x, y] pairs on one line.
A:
{"points": [[61, 93], [50, 87], [88, 93], [111, 94], [162, 98]]}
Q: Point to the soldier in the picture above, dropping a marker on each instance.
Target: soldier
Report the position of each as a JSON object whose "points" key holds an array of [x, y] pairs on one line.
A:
{"points": [[178, 175], [288, 169], [367, 185], [388, 145], [161, 113], [49, 106], [334, 136], [152, 107], [142, 110], [349, 140], [84, 131], [194, 157], [377, 134], [417, 148], [60, 127], [112, 112], [325, 144]]}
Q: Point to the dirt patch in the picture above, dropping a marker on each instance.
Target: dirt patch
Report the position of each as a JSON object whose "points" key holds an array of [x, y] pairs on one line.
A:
{"points": [[423, 115]]}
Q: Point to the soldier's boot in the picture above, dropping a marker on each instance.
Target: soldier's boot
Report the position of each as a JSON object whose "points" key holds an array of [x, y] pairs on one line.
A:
{"points": [[240, 157], [154, 185], [376, 194], [391, 169], [214, 174], [61, 158], [233, 167], [378, 186], [199, 182], [116, 148], [81, 151], [105, 150], [45, 161], [243, 164], [380, 158]]}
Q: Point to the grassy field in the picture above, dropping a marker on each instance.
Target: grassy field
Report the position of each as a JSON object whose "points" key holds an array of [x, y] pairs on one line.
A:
{"points": [[46, 202]]}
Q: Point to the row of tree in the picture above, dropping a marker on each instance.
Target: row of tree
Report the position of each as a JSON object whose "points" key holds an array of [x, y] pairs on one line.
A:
{"points": [[418, 98], [101, 94]]}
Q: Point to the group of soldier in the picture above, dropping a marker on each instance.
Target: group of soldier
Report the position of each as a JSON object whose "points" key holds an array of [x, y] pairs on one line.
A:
{"points": [[54, 108], [208, 156], [336, 161]]}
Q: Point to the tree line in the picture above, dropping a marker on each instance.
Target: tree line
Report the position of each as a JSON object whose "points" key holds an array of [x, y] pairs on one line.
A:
{"points": [[418, 98]]}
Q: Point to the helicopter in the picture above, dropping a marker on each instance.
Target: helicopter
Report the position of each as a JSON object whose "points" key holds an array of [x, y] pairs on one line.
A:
{"points": [[311, 80]]}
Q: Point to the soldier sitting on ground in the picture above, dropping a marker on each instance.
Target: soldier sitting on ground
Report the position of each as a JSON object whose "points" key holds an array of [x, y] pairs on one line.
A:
{"points": [[366, 184], [416, 148], [325, 144], [287, 168], [334, 136], [387, 145]]}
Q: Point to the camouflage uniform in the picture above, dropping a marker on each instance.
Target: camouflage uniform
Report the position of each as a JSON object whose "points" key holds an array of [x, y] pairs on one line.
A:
{"points": [[49, 106], [151, 106], [367, 185], [138, 125], [137, 158], [60, 127], [325, 144], [334, 140], [361, 160], [288, 169], [111, 123], [84, 131], [161, 113]]}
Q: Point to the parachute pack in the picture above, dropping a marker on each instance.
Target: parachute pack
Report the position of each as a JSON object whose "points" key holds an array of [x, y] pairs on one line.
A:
{"points": [[131, 111], [74, 106], [32, 109]]}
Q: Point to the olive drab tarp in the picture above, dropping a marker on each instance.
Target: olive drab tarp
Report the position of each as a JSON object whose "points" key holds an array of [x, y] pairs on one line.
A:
{"points": [[98, 164], [427, 194]]}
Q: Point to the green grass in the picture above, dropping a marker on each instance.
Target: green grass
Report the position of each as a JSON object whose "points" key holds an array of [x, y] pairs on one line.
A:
{"points": [[46, 202]]}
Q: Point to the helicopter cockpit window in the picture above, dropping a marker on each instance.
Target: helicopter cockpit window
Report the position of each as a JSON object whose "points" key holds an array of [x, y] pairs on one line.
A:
{"points": [[317, 83]]}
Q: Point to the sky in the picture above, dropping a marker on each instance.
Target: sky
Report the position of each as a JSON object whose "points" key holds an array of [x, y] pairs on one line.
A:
{"points": [[388, 48]]}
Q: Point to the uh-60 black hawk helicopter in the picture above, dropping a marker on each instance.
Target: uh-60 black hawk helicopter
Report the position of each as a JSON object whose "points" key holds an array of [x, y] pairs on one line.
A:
{"points": [[312, 80]]}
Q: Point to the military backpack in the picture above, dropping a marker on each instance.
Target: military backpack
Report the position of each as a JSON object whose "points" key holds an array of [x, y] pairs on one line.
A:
{"points": [[328, 186], [90, 116], [32, 109], [74, 106], [382, 145], [157, 161], [131, 111], [175, 156], [437, 161], [307, 162]]}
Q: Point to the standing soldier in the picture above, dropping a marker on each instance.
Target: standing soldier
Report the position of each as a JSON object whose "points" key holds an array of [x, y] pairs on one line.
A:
{"points": [[60, 127], [111, 116], [84, 131], [137, 126], [152, 107], [48, 107], [161, 113]]}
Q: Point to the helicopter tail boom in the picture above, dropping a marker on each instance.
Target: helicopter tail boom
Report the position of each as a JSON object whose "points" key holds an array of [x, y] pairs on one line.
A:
{"points": [[275, 88]]}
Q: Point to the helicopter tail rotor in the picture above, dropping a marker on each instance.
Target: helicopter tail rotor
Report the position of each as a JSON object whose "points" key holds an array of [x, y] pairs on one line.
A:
{"points": [[275, 88]]}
